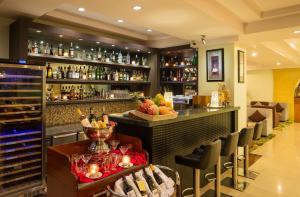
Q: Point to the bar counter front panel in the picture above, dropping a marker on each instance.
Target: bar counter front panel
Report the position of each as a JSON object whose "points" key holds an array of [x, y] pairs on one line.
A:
{"points": [[193, 127]]}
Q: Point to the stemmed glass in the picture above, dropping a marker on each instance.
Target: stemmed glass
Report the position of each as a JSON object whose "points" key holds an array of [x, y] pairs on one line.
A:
{"points": [[106, 163], [75, 158], [123, 149], [86, 158], [114, 158], [114, 144]]}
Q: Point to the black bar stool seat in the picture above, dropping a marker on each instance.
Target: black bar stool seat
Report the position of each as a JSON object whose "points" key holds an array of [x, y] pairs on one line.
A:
{"points": [[202, 158]]}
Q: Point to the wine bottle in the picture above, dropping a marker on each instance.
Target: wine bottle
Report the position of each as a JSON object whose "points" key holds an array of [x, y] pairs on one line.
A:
{"points": [[140, 184], [92, 115], [128, 190], [49, 71], [71, 50], [149, 181], [158, 179], [83, 119]]}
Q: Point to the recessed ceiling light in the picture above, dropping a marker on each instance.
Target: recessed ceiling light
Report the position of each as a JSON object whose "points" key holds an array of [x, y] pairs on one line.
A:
{"points": [[38, 31], [112, 45], [77, 47], [137, 7], [138, 50], [149, 30], [80, 39], [292, 45], [42, 42], [61, 36], [126, 48], [120, 21], [254, 54], [149, 52], [297, 32], [278, 63], [81, 9], [92, 49], [97, 42]]}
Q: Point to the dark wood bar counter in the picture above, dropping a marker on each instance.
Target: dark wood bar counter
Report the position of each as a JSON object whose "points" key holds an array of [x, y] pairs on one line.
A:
{"points": [[165, 139]]}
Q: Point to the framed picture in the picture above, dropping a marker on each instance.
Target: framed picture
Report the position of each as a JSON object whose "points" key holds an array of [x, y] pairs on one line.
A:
{"points": [[241, 66], [215, 65]]}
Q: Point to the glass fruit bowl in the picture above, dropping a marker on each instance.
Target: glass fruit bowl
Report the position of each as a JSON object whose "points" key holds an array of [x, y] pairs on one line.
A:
{"points": [[98, 137]]}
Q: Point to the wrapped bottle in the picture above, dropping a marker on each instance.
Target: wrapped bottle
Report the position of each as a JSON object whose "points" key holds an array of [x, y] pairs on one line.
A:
{"points": [[128, 190], [83, 119]]}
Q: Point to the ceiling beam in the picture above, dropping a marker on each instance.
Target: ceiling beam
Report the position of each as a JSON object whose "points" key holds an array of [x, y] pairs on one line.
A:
{"points": [[281, 11], [253, 6], [215, 10], [273, 24]]}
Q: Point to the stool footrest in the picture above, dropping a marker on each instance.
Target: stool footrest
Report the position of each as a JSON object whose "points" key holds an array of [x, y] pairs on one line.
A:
{"points": [[209, 177], [228, 165], [240, 186]]}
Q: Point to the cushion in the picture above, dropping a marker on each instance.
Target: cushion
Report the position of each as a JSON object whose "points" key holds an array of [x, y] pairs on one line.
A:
{"points": [[265, 103], [257, 117], [279, 108], [253, 103]]}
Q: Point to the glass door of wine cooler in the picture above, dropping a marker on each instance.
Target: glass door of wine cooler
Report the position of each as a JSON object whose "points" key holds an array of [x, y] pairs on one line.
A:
{"points": [[21, 128]]}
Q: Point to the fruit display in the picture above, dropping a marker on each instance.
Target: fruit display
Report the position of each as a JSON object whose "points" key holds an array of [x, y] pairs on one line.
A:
{"points": [[157, 106]]}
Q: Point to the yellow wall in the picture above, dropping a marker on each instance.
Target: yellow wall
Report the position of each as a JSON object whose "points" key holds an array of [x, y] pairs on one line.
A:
{"points": [[285, 82]]}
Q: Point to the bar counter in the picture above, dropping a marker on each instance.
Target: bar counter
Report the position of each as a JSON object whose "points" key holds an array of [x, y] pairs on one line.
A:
{"points": [[165, 139]]}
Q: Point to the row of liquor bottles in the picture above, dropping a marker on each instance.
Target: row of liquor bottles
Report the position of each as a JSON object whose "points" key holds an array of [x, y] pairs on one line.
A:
{"points": [[95, 73], [179, 61], [80, 92], [179, 75], [95, 54]]}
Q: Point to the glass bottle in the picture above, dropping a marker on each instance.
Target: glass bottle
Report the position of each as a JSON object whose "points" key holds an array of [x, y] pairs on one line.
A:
{"points": [[128, 58], [59, 76], [99, 54], [71, 51], [49, 71], [60, 50], [35, 48], [51, 50], [120, 58]]}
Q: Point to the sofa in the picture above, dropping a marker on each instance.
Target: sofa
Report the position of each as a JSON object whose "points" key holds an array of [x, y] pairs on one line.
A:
{"points": [[284, 113], [267, 122]]}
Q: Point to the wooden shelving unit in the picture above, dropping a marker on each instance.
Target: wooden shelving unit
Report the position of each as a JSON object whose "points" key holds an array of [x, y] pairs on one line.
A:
{"points": [[80, 81]]}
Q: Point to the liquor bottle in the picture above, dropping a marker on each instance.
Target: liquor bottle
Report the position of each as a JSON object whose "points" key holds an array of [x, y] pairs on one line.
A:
{"points": [[63, 74], [71, 50], [120, 58], [121, 75], [157, 178], [99, 54], [144, 61], [69, 73], [51, 50], [116, 76], [128, 58], [92, 115], [136, 59], [47, 49], [77, 73], [140, 184], [149, 181], [113, 57], [80, 73], [29, 46], [35, 48], [112, 75], [93, 71], [60, 49], [195, 59], [83, 119], [84, 73], [59, 70], [49, 71], [128, 190], [97, 73]]}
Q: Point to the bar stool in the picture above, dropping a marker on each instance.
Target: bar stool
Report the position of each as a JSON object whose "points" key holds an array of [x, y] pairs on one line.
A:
{"points": [[203, 158], [245, 139], [229, 149], [258, 130]]}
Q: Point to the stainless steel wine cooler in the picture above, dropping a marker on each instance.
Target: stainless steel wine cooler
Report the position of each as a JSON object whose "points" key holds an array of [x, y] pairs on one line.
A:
{"points": [[21, 129]]}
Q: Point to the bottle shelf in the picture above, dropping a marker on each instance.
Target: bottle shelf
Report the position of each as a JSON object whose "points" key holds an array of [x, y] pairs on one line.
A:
{"points": [[61, 59], [178, 67], [68, 102], [82, 81], [179, 82]]}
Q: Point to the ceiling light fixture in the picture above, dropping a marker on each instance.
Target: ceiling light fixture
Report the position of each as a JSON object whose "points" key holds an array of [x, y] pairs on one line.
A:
{"points": [[77, 47], [297, 32], [97, 42], [81, 9], [138, 50], [149, 30], [278, 63], [254, 54], [38, 31], [112, 45], [203, 40], [126, 48], [149, 52], [120, 21], [80, 39], [61, 35], [137, 7]]}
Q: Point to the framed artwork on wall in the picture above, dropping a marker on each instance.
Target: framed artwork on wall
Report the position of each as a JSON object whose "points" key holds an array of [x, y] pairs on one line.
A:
{"points": [[241, 66], [215, 65]]}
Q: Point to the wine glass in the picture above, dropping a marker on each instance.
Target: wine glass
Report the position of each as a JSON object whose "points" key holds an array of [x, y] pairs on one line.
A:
{"points": [[86, 158], [115, 159], [106, 163], [114, 144], [75, 158], [123, 149]]}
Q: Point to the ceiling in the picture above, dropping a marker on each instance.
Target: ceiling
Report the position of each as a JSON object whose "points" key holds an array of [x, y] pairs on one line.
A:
{"points": [[262, 26]]}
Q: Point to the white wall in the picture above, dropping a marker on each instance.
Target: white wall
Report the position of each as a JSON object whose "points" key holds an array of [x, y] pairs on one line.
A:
{"points": [[260, 85], [4, 37], [238, 90]]}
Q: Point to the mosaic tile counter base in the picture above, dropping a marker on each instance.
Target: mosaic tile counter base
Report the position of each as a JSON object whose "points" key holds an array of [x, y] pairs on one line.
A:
{"points": [[66, 114]]}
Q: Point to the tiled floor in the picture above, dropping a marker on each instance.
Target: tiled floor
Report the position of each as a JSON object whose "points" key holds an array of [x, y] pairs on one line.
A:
{"points": [[279, 167]]}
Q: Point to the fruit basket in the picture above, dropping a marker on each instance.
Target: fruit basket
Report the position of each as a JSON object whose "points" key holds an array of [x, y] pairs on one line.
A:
{"points": [[141, 115]]}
